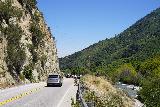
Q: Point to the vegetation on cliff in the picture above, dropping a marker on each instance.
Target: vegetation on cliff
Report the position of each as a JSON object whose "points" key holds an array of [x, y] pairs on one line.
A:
{"points": [[15, 53], [26, 42], [8, 11]]}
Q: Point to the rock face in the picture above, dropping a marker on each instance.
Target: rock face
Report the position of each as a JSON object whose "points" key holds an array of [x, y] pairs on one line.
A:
{"points": [[27, 48]]}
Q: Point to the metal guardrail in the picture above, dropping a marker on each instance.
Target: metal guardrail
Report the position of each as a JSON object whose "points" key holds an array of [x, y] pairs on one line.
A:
{"points": [[80, 96]]}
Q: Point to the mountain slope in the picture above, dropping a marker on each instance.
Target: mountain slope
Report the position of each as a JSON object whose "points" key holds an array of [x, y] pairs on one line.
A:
{"points": [[27, 48], [132, 57], [135, 44]]}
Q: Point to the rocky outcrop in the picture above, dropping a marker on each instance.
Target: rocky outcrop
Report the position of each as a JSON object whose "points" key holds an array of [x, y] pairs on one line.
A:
{"points": [[27, 48]]}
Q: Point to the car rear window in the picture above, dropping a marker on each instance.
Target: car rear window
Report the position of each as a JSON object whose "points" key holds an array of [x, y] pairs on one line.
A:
{"points": [[53, 76]]}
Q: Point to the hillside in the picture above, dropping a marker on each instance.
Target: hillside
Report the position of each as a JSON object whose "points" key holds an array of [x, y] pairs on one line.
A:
{"points": [[103, 93], [27, 48], [132, 57], [134, 45]]}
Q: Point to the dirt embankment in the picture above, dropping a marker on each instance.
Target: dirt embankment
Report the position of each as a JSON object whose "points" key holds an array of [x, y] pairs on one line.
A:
{"points": [[102, 92]]}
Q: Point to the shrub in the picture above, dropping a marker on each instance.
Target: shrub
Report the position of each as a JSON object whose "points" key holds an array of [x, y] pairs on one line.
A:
{"points": [[90, 96], [27, 72], [148, 67], [7, 11], [36, 16], [150, 92], [22, 77], [75, 103], [35, 56], [127, 74], [30, 3], [43, 60], [33, 52], [15, 53], [37, 34]]}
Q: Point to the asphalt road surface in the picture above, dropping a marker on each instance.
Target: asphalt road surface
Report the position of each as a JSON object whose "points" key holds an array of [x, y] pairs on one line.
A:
{"points": [[38, 95]]}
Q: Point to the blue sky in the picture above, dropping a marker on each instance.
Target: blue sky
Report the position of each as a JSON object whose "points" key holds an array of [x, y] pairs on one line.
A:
{"points": [[76, 24]]}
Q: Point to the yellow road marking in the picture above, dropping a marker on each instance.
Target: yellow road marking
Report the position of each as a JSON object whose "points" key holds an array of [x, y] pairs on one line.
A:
{"points": [[19, 96]]}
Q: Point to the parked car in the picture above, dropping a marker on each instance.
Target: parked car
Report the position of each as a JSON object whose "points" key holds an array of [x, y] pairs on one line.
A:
{"points": [[55, 80]]}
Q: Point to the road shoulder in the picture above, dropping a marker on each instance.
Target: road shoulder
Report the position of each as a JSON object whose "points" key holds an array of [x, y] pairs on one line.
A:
{"points": [[66, 100]]}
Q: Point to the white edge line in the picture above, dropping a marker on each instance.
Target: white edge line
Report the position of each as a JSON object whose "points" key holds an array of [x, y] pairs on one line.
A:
{"points": [[64, 96]]}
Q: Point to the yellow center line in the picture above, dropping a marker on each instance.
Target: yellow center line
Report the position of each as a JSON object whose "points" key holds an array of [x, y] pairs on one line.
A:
{"points": [[19, 96]]}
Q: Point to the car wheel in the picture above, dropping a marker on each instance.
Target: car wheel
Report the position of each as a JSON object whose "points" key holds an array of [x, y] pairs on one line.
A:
{"points": [[60, 84], [47, 85]]}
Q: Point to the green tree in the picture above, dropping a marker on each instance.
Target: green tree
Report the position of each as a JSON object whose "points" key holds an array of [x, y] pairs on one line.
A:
{"points": [[127, 74], [150, 92]]}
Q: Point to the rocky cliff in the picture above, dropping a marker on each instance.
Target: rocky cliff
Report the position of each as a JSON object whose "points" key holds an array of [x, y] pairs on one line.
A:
{"points": [[27, 48]]}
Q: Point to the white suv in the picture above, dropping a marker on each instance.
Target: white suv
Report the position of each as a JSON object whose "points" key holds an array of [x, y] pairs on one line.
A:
{"points": [[55, 80]]}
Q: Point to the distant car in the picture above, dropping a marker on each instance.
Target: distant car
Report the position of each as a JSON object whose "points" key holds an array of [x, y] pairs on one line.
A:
{"points": [[78, 77], [55, 80], [68, 76]]}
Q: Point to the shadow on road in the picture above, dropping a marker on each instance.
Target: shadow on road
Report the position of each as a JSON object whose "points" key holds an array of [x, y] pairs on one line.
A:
{"points": [[52, 86]]}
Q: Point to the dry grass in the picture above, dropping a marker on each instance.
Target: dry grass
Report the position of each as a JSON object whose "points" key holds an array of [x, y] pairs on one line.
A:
{"points": [[104, 90], [3, 85]]}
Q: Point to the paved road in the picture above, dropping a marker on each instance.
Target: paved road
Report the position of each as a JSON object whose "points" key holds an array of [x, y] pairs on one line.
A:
{"points": [[38, 95]]}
